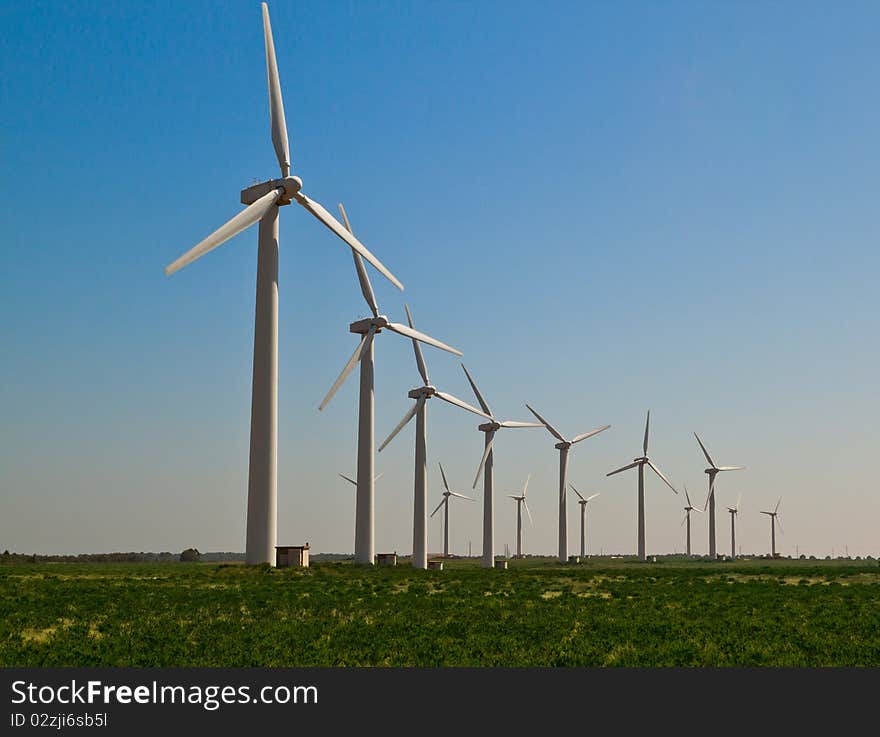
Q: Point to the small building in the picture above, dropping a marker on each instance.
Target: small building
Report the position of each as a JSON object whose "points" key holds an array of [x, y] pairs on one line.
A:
{"points": [[501, 564], [435, 565], [386, 559], [292, 556]]}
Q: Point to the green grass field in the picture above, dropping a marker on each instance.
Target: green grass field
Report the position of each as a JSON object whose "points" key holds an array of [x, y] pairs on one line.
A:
{"points": [[608, 613]]}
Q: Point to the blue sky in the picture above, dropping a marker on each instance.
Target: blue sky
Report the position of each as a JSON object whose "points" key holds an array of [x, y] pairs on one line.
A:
{"points": [[608, 207]]}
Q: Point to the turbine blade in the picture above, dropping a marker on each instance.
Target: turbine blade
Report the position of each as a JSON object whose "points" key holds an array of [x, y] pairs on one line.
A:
{"points": [[731, 468], [553, 430], [623, 468], [576, 491], [406, 418], [234, 226], [585, 435], [514, 423], [363, 278], [660, 474], [776, 508], [738, 500], [378, 476], [445, 485], [420, 359], [350, 480], [526, 487], [711, 492], [526, 505], [333, 224], [477, 392], [416, 335], [486, 451], [647, 425], [349, 367], [513, 497], [461, 496], [458, 403], [705, 452], [438, 506], [779, 522], [589, 498], [684, 520], [276, 105], [687, 496]]}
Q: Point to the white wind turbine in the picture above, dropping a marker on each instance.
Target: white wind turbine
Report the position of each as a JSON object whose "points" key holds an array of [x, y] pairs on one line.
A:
{"points": [[773, 522], [419, 410], [687, 517], [733, 512], [446, 494], [712, 472], [563, 446], [487, 465], [364, 533], [355, 483], [263, 201], [520, 503], [641, 462], [583, 502]]}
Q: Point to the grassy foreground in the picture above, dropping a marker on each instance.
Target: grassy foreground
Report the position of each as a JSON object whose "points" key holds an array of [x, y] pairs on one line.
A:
{"points": [[763, 613]]}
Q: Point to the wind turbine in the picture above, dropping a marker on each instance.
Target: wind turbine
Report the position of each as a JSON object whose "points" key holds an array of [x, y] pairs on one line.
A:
{"points": [[687, 518], [263, 201], [419, 410], [712, 472], [520, 503], [563, 446], [352, 481], [773, 522], [446, 494], [583, 502], [733, 512], [487, 462], [641, 462], [364, 534]]}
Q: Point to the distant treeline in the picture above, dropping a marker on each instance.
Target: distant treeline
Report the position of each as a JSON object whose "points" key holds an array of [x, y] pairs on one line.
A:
{"points": [[131, 557]]}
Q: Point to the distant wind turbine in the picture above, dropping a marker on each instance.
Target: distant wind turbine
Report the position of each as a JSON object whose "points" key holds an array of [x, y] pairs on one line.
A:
{"points": [[263, 201], [733, 512], [563, 446], [487, 462], [520, 503], [712, 472], [419, 410], [445, 503], [364, 532], [640, 463], [687, 518], [774, 520], [583, 502]]}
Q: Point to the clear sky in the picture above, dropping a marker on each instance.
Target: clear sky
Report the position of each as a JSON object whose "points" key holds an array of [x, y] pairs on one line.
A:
{"points": [[608, 207]]}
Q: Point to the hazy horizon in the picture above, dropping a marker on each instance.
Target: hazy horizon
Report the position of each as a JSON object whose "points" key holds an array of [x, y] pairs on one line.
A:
{"points": [[607, 208]]}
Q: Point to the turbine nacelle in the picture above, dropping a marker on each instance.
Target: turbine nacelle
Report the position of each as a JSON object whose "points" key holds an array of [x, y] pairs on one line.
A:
{"points": [[290, 185], [364, 326], [426, 391]]}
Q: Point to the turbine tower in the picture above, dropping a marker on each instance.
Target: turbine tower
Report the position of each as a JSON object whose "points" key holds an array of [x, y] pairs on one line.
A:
{"points": [[520, 503], [263, 201], [487, 465], [563, 446], [446, 494], [364, 529], [419, 410], [583, 502], [733, 512], [773, 522], [712, 472], [687, 518], [641, 462]]}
